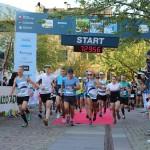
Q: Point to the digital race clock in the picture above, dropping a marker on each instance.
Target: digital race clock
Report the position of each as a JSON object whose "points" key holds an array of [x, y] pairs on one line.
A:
{"points": [[88, 49]]}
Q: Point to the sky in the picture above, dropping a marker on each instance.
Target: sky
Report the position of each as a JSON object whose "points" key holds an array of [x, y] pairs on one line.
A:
{"points": [[29, 5]]}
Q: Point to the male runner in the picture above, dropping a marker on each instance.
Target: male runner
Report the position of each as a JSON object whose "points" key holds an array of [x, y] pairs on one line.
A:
{"points": [[47, 87], [70, 84], [124, 95], [22, 94]]}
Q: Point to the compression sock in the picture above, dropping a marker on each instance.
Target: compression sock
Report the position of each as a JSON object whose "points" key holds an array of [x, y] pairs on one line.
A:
{"points": [[122, 110], [24, 118]]}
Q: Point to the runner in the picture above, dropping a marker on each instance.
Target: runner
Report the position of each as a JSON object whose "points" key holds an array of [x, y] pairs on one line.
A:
{"points": [[139, 102], [113, 89], [47, 87], [70, 84], [133, 94], [91, 90], [80, 95], [22, 94], [59, 98], [102, 95], [124, 95], [86, 79]]}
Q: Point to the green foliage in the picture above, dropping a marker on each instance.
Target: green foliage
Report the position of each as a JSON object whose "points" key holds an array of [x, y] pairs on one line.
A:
{"points": [[7, 36], [128, 59]]}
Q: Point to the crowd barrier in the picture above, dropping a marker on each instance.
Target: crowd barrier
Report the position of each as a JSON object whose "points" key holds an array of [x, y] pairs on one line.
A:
{"points": [[8, 105]]}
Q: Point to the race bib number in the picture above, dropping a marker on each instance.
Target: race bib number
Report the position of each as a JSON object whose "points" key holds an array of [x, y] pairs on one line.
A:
{"points": [[132, 95], [124, 93], [139, 92], [46, 89], [69, 90]]}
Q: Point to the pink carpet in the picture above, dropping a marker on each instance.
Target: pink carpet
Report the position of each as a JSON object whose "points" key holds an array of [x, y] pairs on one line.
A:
{"points": [[80, 118]]}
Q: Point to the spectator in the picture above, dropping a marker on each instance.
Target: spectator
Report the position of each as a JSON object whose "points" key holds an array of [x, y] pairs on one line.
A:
{"points": [[11, 80], [5, 81]]}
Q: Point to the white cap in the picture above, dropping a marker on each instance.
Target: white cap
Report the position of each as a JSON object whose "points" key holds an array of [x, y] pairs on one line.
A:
{"points": [[101, 73], [80, 78]]}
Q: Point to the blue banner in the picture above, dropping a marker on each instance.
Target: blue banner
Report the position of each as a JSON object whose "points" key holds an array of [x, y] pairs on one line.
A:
{"points": [[25, 53], [38, 23], [73, 40], [42, 23]]}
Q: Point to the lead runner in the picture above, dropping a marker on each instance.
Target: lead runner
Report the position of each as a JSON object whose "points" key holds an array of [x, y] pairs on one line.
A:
{"points": [[22, 82]]}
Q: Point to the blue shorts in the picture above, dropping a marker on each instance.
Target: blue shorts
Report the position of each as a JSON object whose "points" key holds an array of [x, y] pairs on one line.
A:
{"points": [[85, 94], [80, 96]]}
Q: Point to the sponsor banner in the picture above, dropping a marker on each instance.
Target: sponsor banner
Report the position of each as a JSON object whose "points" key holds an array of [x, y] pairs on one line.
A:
{"points": [[8, 104], [43, 23], [25, 53], [39, 23], [73, 40]]}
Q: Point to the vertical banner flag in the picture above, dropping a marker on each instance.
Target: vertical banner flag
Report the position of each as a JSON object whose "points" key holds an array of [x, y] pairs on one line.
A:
{"points": [[25, 53]]}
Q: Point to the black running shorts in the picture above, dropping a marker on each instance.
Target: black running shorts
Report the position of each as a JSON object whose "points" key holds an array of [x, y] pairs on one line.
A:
{"points": [[70, 99], [20, 100], [45, 97], [102, 97], [124, 100]]}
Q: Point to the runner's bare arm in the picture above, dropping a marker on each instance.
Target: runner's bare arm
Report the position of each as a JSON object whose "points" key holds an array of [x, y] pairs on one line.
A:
{"points": [[61, 90], [34, 84], [76, 87], [98, 84]]}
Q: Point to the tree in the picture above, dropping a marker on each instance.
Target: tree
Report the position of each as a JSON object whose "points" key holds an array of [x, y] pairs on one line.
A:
{"points": [[7, 37]]}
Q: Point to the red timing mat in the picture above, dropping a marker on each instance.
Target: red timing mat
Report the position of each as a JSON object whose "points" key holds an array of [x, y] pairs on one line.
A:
{"points": [[80, 118]]}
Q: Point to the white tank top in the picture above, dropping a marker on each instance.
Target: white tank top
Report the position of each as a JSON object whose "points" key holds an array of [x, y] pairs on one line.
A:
{"points": [[102, 91]]}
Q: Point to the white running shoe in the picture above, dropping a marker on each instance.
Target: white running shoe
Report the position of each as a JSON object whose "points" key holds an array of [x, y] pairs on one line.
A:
{"points": [[148, 141], [58, 115], [63, 120]]}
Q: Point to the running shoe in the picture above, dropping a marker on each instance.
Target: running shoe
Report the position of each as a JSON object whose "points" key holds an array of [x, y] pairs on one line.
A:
{"points": [[118, 116], [58, 115], [123, 117], [28, 117], [40, 115], [90, 121], [25, 124], [45, 121], [104, 110], [87, 116], [148, 130], [71, 123], [63, 120], [128, 109], [68, 119], [148, 141], [100, 114], [94, 118]]}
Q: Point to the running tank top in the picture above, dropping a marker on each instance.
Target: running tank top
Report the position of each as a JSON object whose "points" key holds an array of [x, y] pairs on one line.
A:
{"points": [[102, 91], [91, 89], [22, 85]]}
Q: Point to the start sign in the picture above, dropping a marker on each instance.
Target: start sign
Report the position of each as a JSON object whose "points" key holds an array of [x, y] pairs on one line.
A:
{"points": [[73, 40]]}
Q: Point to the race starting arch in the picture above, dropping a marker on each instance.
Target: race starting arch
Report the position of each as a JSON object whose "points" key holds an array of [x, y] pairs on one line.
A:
{"points": [[85, 34]]}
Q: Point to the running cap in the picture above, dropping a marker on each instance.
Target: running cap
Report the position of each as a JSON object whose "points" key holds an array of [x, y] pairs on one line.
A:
{"points": [[101, 73], [141, 73], [80, 78], [47, 66], [70, 70]]}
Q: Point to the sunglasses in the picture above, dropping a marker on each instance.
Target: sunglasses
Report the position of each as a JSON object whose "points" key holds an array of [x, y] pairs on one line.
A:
{"points": [[90, 74]]}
